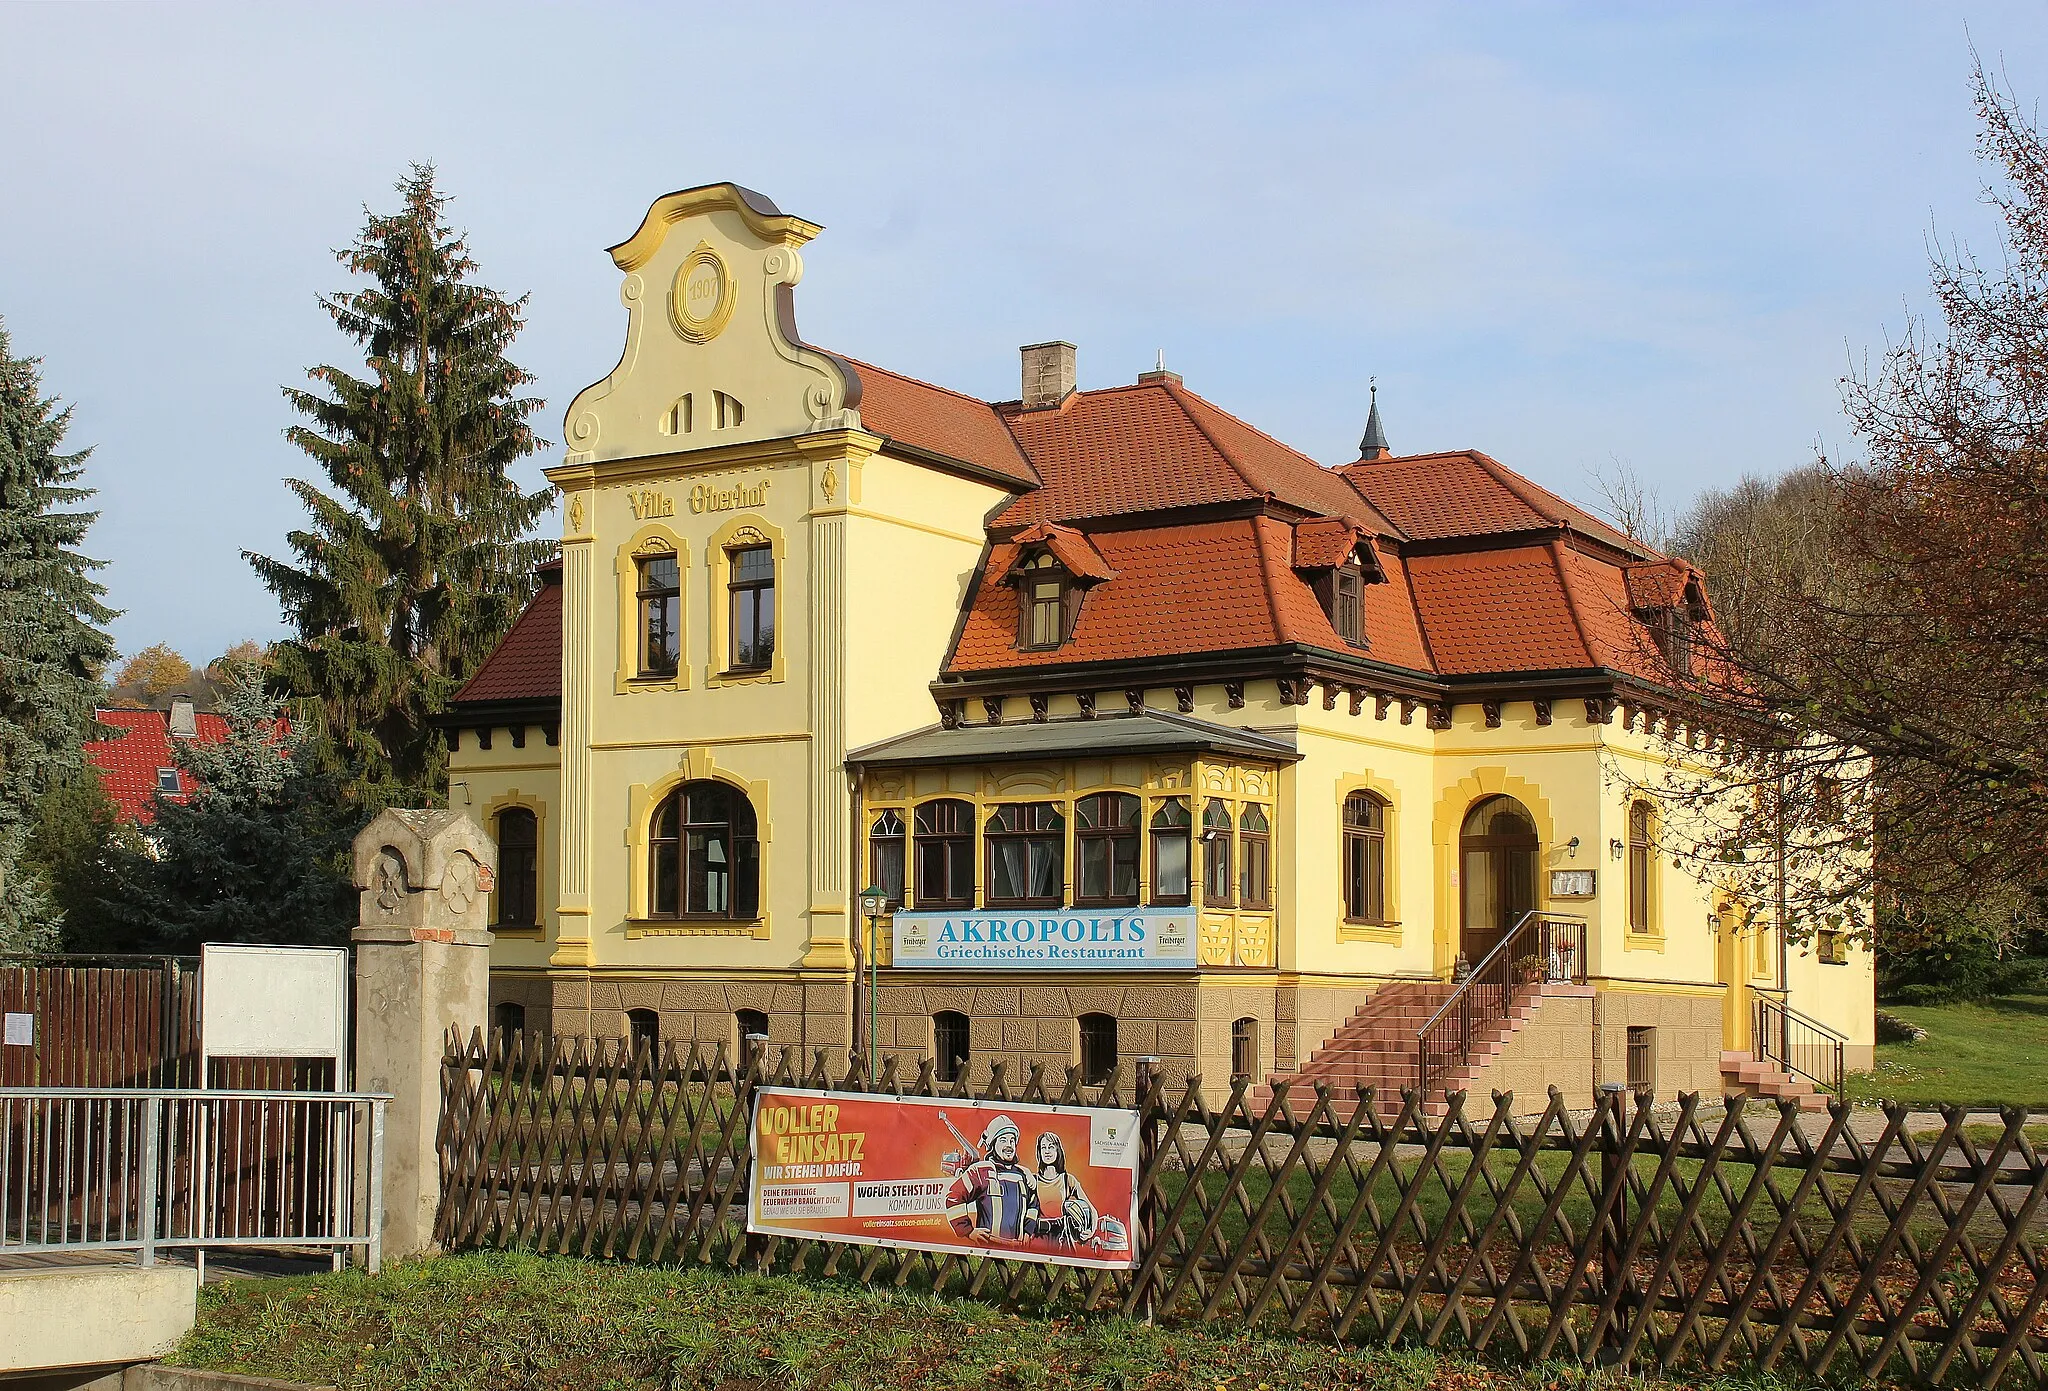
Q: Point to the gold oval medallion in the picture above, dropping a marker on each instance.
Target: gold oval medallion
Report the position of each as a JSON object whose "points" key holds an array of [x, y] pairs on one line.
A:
{"points": [[700, 301]]}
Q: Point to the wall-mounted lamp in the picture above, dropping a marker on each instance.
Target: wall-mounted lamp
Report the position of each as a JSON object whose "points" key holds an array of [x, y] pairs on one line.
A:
{"points": [[1614, 849], [1571, 848]]}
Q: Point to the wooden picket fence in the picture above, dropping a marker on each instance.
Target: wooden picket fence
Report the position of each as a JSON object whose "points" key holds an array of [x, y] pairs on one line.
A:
{"points": [[1699, 1237]]}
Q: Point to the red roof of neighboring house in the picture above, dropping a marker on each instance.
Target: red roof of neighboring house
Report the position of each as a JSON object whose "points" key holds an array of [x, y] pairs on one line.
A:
{"points": [[527, 662], [130, 761]]}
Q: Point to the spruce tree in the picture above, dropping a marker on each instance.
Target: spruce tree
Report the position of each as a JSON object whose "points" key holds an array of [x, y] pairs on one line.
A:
{"points": [[414, 566], [258, 853], [53, 642]]}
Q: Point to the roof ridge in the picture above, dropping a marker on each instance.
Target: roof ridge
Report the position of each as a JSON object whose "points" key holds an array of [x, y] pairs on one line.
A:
{"points": [[1517, 484], [1175, 392], [1273, 440]]}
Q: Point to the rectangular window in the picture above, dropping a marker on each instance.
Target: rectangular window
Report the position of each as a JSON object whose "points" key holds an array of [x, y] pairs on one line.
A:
{"points": [[1046, 596], [661, 614], [752, 585], [1106, 843], [1026, 855], [1831, 944], [1171, 861], [1642, 1059], [1365, 858], [1347, 607], [518, 868], [945, 854], [167, 780], [950, 1045], [1640, 884], [885, 857], [1216, 840], [1255, 850]]}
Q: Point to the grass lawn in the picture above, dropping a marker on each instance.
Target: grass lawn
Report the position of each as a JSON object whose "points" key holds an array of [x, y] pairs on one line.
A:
{"points": [[1976, 1055], [508, 1322]]}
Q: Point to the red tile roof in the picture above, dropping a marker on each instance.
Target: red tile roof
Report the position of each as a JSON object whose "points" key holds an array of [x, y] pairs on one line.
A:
{"points": [[1465, 493], [943, 422], [1543, 586], [1157, 445], [1204, 587], [1497, 611], [527, 662], [128, 761]]}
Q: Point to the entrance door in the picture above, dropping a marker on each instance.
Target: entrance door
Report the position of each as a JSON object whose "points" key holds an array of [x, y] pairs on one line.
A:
{"points": [[1496, 874], [1731, 969]]}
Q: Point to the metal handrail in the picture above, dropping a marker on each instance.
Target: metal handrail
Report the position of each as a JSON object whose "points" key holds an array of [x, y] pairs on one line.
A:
{"points": [[1799, 1044], [149, 1169], [1487, 995]]}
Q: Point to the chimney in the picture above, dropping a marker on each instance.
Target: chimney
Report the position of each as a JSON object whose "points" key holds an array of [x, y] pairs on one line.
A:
{"points": [[184, 722], [1048, 374]]}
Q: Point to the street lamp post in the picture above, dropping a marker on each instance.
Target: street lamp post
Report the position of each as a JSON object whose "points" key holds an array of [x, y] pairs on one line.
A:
{"points": [[873, 902]]}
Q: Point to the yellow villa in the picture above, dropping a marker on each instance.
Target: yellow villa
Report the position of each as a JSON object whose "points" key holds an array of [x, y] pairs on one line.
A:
{"points": [[1155, 736]]}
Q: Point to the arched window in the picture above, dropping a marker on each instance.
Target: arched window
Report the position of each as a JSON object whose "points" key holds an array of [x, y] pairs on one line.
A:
{"points": [[1639, 862], [949, 1045], [747, 1024], [509, 1019], [1106, 842], [885, 856], [1042, 593], [704, 855], [1170, 858], [1255, 849], [1244, 1048], [945, 854], [518, 868], [751, 586], [643, 1028], [1098, 1048], [1216, 834], [661, 615], [1365, 858], [1026, 855]]}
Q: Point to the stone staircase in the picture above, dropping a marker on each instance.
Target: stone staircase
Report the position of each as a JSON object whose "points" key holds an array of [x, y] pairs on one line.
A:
{"points": [[1748, 1076], [1375, 1048]]}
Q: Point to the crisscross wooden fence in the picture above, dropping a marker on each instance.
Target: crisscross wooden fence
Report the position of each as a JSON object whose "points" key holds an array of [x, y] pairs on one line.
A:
{"points": [[1696, 1237]]}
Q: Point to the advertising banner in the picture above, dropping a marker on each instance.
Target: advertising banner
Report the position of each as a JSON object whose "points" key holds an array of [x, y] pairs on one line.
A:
{"points": [[1080, 939], [1056, 1184]]}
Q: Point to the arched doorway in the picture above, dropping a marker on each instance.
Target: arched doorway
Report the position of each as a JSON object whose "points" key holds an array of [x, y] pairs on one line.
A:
{"points": [[1496, 873]]}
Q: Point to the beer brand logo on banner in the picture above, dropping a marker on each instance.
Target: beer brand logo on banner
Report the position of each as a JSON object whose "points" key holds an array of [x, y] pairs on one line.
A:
{"points": [[1140, 939], [1024, 1181]]}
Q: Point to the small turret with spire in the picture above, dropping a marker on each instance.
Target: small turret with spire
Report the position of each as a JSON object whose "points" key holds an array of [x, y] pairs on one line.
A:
{"points": [[1374, 445]]}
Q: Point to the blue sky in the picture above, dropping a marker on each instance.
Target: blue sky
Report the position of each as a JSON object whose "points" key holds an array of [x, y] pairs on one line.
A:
{"points": [[1565, 234]]}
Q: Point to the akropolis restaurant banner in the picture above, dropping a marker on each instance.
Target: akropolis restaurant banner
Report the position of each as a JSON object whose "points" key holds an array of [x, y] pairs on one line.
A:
{"points": [[1080, 939], [1024, 1181]]}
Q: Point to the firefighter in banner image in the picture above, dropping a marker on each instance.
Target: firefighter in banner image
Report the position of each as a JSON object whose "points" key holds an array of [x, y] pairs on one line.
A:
{"points": [[1060, 1210], [991, 1197]]}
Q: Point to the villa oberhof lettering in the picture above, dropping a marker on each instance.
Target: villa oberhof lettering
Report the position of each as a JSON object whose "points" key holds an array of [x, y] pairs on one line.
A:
{"points": [[705, 498]]}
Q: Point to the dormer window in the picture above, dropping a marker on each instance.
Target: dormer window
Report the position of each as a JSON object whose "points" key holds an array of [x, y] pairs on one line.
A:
{"points": [[1043, 587], [1347, 604], [1674, 636]]}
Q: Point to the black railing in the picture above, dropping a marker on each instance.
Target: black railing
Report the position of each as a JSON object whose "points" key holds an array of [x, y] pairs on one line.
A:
{"points": [[1797, 1045], [1541, 948]]}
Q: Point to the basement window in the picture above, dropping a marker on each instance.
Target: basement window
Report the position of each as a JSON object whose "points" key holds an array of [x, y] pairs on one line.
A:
{"points": [[1642, 1060]]}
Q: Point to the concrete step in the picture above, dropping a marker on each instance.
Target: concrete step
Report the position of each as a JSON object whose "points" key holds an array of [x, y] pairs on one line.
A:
{"points": [[1751, 1076]]}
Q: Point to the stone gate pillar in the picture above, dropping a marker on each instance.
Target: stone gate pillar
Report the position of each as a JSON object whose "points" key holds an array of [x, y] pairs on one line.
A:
{"points": [[422, 967]]}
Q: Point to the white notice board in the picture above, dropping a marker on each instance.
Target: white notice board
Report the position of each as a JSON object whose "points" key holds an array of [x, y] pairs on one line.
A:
{"points": [[273, 1002]]}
